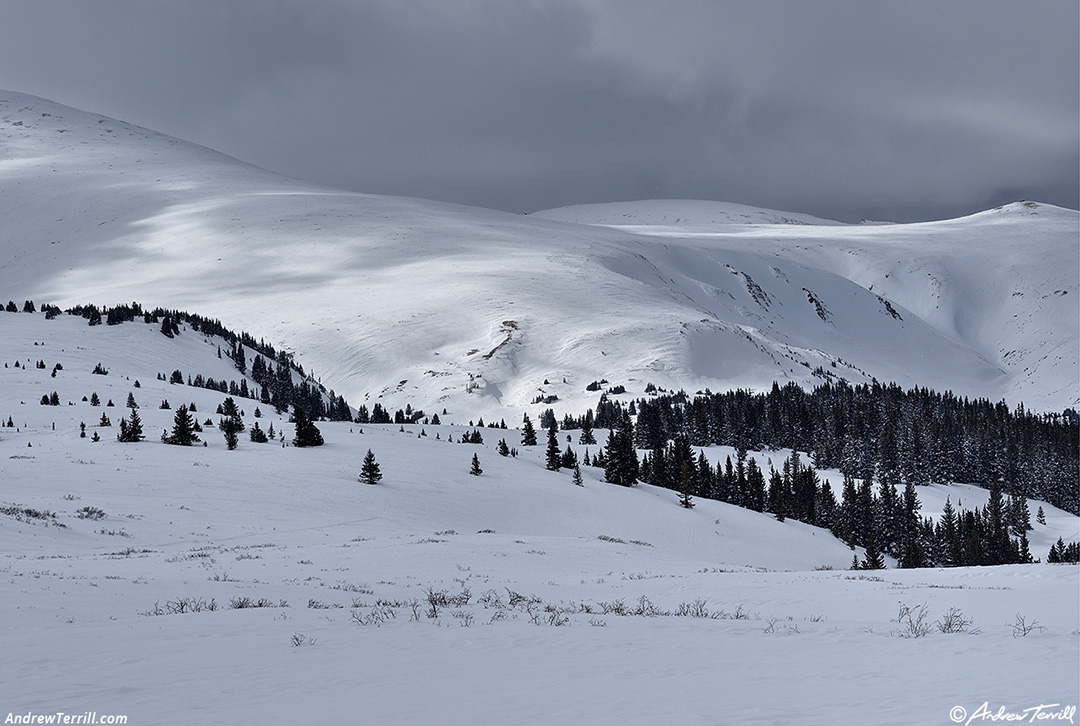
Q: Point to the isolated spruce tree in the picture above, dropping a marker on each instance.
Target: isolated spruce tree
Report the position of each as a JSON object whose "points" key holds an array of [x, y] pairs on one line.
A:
{"points": [[568, 459], [231, 425], [577, 479], [554, 456], [1040, 517], [307, 434], [528, 433], [369, 470], [257, 435], [475, 469], [131, 401], [183, 432], [131, 430], [94, 400]]}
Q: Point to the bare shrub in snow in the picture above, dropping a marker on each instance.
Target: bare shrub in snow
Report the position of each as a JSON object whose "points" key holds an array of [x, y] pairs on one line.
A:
{"points": [[694, 609], [299, 639], [1021, 627], [319, 605], [243, 602], [954, 621], [912, 621], [376, 616], [183, 605]]}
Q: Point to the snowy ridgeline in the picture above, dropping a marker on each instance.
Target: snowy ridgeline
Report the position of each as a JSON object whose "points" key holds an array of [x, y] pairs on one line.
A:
{"points": [[437, 305], [267, 584]]}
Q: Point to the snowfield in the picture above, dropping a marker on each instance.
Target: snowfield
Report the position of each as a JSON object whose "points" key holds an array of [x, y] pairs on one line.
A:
{"points": [[266, 585], [405, 301], [177, 585]]}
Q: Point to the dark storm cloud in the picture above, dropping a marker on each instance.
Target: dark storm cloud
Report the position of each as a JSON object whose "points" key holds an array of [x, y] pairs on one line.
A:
{"points": [[843, 109]]}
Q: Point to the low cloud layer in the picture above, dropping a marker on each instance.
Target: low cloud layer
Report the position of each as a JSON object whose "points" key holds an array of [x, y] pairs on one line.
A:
{"points": [[849, 110]]}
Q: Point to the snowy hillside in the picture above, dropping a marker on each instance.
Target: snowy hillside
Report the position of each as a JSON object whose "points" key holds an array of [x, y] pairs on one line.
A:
{"points": [[439, 306], [266, 584], [675, 213]]}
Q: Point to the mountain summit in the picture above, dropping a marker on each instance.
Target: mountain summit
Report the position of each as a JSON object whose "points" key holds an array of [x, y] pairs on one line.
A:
{"points": [[437, 305]]}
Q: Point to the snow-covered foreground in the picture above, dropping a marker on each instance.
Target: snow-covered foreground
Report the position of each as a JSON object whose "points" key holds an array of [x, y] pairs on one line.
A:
{"points": [[552, 603]]}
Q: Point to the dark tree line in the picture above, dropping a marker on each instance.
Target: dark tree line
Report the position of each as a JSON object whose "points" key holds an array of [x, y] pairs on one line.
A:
{"points": [[877, 432], [875, 517]]}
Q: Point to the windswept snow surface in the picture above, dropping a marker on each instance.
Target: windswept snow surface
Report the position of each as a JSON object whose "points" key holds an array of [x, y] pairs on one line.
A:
{"points": [[534, 569], [406, 301]]}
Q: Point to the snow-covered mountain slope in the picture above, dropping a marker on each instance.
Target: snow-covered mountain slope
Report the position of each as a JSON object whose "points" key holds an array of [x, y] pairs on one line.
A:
{"points": [[552, 603], [675, 213], [473, 310]]}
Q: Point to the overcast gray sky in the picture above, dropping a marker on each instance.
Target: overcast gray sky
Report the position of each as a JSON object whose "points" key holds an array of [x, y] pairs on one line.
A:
{"points": [[845, 109]]}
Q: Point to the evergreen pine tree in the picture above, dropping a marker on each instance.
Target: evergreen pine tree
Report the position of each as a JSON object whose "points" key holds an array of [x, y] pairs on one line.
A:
{"points": [[873, 560], [183, 433], [475, 469], [754, 487], [686, 483], [911, 550], [369, 470], [587, 436], [998, 544], [619, 458], [131, 401], [230, 427], [554, 457], [528, 433], [568, 459], [307, 433], [503, 448], [1019, 515], [131, 430], [577, 479], [1056, 551], [257, 435], [1024, 548], [949, 535], [779, 489], [1040, 517]]}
